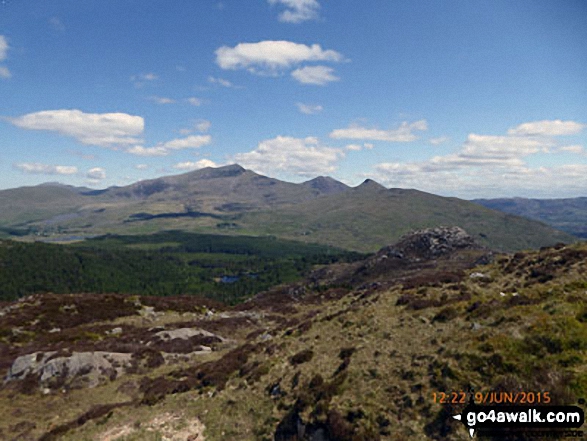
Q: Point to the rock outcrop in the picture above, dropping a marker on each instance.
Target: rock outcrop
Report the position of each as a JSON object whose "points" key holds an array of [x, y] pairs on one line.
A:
{"points": [[431, 243], [86, 368]]}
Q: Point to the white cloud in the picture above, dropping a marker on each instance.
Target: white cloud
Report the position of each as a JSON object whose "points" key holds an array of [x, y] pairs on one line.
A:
{"points": [[142, 79], [297, 10], [476, 182], [191, 142], [162, 100], [57, 24], [4, 72], [221, 81], [547, 128], [578, 149], [141, 166], [3, 47], [494, 166], [194, 101], [502, 147], [318, 75], [82, 155], [291, 156], [402, 134], [202, 163], [358, 147], [139, 150], [309, 109], [101, 129], [203, 125], [96, 174], [45, 169], [271, 56], [164, 149], [145, 77], [439, 140]]}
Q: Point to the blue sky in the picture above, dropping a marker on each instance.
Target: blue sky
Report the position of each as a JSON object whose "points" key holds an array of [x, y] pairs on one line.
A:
{"points": [[458, 98]]}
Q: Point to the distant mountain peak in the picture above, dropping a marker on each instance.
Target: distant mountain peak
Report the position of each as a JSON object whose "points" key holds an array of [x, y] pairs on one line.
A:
{"points": [[224, 171], [371, 184], [326, 185]]}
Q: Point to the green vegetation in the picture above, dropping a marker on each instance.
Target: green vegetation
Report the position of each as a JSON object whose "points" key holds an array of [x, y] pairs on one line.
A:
{"points": [[361, 351], [233, 201], [224, 268], [369, 217]]}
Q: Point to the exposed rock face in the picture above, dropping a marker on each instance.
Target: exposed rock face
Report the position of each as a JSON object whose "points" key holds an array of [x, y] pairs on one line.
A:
{"points": [[430, 243], [415, 257], [94, 367], [185, 334]]}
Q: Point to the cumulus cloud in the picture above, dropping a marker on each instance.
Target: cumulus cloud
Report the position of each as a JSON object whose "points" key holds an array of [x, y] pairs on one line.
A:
{"points": [[203, 125], [162, 100], [309, 109], [492, 166], [3, 48], [164, 149], [439, 140], [101, 129], [291, 156], [57, 24], [4, 72], [405, 133], [556, 181], [45, 169], [139, 150], [220, 81], [142, 79], [578, 149], [547, 128], [202, 163], [271, 56], [96, 174], [318, 75], [359, 147], [194, 101], [297, 11]]}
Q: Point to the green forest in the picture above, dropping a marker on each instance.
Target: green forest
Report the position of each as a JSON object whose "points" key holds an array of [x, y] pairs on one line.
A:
{"points": [[225, 268]]}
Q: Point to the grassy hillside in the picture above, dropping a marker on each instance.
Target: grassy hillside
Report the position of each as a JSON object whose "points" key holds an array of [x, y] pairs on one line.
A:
{"points": [[233, 201], [569, 215], [354, 362], [368, 217]]}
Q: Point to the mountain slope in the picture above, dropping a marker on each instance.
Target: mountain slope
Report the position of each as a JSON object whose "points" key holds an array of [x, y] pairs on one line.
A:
{"points": [[369, 216], [232, 200], [374, 359], [568, 215]]}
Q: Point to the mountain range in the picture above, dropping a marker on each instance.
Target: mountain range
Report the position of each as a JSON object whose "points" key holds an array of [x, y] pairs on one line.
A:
{"points": [[566, 214], [233, 200]]}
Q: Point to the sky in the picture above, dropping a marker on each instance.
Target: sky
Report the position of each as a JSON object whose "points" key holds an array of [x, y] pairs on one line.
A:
{"points": [[472, 99]]}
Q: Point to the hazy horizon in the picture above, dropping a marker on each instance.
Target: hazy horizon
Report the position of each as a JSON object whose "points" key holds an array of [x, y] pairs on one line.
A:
{"points": [[473, 100]]}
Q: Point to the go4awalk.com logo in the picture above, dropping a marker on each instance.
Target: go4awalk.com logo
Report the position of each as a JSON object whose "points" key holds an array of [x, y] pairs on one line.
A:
{"points": [[541, 419]]}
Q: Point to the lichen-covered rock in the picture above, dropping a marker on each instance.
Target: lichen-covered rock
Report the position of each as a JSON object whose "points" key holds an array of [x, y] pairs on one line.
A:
{"points": [[87, 368], [185, 334], [433, 242]]}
